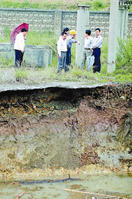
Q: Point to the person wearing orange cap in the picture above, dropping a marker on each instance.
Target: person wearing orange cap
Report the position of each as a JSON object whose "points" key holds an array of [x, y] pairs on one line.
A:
{"points": [[70, 40]]}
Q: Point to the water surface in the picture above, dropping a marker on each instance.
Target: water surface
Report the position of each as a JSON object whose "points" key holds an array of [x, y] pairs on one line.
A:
{"points": [[118, 186]]}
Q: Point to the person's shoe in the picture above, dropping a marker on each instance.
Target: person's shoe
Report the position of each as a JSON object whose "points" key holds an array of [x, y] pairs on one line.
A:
{"points": [[67, 69], [58, 71], [94, 69]]}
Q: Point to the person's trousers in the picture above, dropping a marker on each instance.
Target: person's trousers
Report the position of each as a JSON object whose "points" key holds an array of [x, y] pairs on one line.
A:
{"points": [[62, 62], [87, 55], [68, 57], [97, 63], [90, 61], [18, 58]]}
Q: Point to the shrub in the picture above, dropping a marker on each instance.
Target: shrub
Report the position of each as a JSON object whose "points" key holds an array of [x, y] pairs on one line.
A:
{"points": [[104, 56], [124, 57], [98, 5]]}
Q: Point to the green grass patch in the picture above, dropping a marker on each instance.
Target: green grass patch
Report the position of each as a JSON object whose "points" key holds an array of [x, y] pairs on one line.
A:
{"points": [[124, 58], [99, 5], [5, 37], [32, 38], [42, 38], [22, 74], [56, 4], [123, 72], [6, 63]]}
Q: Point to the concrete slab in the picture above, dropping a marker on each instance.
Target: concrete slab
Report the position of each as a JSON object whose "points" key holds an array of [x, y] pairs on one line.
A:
{"points": [[67, 85]]}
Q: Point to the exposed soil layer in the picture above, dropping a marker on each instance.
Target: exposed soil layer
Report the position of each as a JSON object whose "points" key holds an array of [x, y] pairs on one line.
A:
{"points": [[66, 128]]}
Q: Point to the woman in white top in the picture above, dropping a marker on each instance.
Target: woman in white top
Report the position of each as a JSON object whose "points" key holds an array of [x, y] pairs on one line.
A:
{"points": [[19, 46]]}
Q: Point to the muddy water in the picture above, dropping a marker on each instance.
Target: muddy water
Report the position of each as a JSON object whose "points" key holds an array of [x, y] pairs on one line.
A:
{"points": [[98, 187]]}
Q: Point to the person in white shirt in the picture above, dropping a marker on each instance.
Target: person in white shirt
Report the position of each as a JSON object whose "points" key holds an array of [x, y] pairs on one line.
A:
{"points": [[19, 46], [62, 49], [87, 52], [97, 44]]}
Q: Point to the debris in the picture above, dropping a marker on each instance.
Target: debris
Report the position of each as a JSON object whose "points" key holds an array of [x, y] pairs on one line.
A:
{"points": [[20, 195], [96, 194]]}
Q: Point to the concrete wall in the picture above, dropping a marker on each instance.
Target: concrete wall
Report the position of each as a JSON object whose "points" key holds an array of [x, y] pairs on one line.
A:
{"points": [[33, 56], [54, 20]]}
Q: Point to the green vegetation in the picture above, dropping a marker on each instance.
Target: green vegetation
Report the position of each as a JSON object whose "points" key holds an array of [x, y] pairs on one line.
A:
{"points": [[33, 38], [123, 70], [124, 57], [22, 74], [6, 35], [56, 4], [6, 63], [98, 5]]}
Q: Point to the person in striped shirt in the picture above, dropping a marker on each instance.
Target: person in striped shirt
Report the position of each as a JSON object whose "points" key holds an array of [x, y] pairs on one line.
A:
{"points": [[96, 46]]}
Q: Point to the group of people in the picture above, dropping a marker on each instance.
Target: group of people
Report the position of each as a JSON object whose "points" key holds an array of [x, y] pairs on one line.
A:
{"points": [[91, 51]]}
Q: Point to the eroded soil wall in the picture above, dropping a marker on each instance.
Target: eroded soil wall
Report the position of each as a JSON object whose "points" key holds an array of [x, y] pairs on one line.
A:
{"points": [[65, 129]]}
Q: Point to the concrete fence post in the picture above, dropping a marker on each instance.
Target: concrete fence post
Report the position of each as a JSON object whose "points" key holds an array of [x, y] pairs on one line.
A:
{"points": [[118, 28], [58, 22], [82, 25]]}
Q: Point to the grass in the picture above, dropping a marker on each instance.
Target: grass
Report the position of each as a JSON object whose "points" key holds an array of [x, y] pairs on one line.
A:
{"points": [[56, 4], [98, 5], [22, 74], [30, 76], [32, 38]]}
